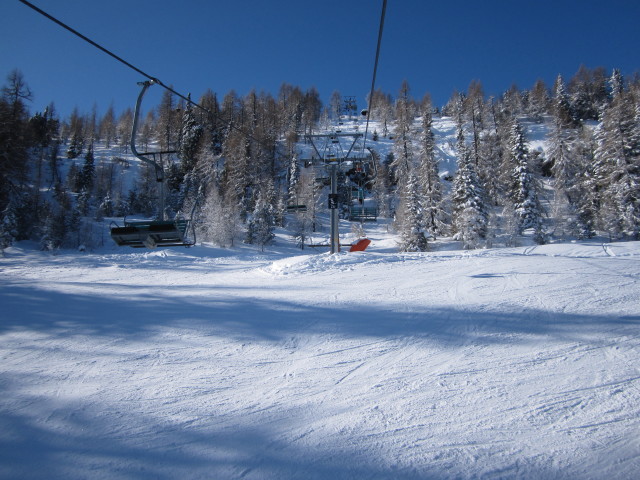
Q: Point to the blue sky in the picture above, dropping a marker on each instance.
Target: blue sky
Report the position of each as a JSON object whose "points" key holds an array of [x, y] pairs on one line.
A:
{"points": [[437, 46]]}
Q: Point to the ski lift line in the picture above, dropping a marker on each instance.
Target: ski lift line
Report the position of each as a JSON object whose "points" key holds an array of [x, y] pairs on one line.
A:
{"points": [[88, 40], [375, 70], [136, 69]]}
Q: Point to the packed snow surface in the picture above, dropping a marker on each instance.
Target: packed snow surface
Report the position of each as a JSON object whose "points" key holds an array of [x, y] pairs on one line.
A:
{"points": [[206, 363]]}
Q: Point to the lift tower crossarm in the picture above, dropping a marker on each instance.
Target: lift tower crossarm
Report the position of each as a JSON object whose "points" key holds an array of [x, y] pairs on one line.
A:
{"points": [[334, 164], [355, 137]]}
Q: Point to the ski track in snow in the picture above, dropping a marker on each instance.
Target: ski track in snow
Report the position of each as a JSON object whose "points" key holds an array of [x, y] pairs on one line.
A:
{"points": [[506, 363]]}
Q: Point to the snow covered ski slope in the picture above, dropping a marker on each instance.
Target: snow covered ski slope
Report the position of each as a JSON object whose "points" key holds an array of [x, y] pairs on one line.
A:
{"points": [[205, 363]]}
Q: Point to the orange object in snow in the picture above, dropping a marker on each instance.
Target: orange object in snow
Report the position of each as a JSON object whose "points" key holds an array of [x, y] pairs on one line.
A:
{"points": [[360, 245]]}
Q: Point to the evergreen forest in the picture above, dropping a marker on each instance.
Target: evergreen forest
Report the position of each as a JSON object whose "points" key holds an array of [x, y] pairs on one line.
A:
{"points": [[237, 165]]}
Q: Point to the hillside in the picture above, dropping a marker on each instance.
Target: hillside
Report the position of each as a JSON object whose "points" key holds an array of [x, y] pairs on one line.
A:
{"points": [[130, 174]]}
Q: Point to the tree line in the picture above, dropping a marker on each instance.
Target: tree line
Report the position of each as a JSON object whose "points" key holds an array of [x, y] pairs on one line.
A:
{"points": [[236, 165]]}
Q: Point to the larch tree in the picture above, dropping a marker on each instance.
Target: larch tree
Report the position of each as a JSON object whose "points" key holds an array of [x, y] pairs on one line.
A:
{"points": [[167, 124], [539, 101], [125, 124], [76, 131], [211, 120], [402, 148], [492, 171], [335, 105], [147, 130], [473, 106], [381, 106], [107, 127]]}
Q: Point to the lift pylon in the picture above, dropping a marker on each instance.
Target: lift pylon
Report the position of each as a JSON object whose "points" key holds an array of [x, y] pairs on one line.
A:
{"points": [[335, 155]]}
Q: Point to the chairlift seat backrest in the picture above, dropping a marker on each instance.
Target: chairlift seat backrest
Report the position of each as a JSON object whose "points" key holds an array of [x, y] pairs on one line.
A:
{"points": [[151, 234]]}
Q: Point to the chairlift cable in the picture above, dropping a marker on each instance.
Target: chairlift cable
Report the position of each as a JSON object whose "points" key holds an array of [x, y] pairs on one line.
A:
{"points": [[375, 70], [136, 69]]}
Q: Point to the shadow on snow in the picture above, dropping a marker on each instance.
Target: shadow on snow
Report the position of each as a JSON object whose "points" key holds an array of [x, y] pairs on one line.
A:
{"points": [[80, 442]]}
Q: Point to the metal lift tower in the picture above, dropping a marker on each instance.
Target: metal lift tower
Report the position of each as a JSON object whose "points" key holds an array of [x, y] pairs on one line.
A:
{"points": [[334, 155]]}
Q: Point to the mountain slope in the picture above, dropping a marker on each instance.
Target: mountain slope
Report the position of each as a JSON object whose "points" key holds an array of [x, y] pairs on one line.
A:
{"points": [[208, 363]]}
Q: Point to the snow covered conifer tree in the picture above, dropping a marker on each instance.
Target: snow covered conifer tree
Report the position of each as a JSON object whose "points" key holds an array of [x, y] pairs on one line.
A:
{"points": [[14, 135], [433, 213], [561, 105], [561, 152], [524, 195], [260, 228], [470, 217], [616, 84], [473, 106], [190, 136], [588, 93], [88, 173], [236, 178], [294, 177], [215, 222], [585, 188], [382, 109], [412, 238], [8, 226], [617, 159], [106, 206]]}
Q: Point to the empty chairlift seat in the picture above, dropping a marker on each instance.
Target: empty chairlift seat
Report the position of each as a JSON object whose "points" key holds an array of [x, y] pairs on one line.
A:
{"points": [[151, 234], [363, 214]]}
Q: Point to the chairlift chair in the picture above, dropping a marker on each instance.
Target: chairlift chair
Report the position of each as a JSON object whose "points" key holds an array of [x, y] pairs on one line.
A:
{"points": [[152, 233], [296, 208]]}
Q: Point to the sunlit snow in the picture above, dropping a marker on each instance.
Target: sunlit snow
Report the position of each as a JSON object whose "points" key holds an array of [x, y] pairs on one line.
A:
{"points": [[210, 363]]}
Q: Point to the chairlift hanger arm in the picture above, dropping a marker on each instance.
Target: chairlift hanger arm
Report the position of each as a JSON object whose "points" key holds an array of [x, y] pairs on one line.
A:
{"points": [[354, 136], [134, 130]]}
